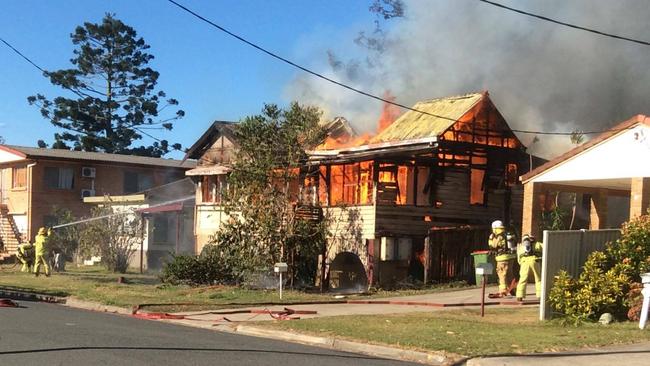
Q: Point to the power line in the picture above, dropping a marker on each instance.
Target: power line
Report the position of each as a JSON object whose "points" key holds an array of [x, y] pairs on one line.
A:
{"points": [[21, 55], [274, 55], [574, 26], [343, 85], [66, 87]]}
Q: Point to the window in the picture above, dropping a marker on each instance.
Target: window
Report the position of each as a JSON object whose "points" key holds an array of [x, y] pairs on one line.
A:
{"points": [[477, 188], [161, 224], [208, 188], [137, 182], [511, 175], [350, 184], [477, 182], [59, 178], [19, 177]]}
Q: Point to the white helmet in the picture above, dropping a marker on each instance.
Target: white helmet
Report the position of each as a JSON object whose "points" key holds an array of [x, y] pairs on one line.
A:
{"points": [[497, 224]]}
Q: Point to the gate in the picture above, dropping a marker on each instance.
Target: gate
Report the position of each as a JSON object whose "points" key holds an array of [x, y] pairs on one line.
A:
{"points": [[448, 252]]}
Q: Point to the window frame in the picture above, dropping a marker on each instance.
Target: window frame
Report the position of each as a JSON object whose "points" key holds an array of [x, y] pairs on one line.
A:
{"points": [[57, 186], [14, 175]]}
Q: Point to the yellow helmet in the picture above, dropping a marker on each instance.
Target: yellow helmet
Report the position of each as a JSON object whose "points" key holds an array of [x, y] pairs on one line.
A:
{"points": [[42, 231]]}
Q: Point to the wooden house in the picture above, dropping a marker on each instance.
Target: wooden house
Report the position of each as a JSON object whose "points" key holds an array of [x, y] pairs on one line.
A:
{"points": [[214, 152], [454, 164], [35, 180]]}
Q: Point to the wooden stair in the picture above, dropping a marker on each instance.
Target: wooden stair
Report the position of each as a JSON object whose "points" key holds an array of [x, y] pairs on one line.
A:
{"points": [[309, 213], [9, 234]]}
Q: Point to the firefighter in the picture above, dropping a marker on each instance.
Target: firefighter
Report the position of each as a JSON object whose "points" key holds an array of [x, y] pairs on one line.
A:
{"points": [[529, 255], [25, 256], [40, 244], [503, 247]]}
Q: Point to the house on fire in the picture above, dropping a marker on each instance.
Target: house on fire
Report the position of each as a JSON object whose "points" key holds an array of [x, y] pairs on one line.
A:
{"points": [[455, 163]]}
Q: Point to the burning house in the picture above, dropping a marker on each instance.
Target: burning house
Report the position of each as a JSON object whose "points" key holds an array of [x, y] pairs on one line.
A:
{"points": [[455, 164]]}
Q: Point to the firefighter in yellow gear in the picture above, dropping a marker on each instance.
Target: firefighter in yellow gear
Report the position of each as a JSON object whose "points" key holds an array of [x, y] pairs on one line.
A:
{"points": [[40, 244], [25, 256], [500, 243], [529, 255]]}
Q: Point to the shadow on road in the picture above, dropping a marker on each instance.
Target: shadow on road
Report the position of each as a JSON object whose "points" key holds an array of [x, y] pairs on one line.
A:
{"points": [[192, 349]]}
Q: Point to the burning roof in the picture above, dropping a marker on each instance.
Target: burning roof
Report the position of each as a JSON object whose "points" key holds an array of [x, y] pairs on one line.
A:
{"points": [[469, 118], [415, 125]]}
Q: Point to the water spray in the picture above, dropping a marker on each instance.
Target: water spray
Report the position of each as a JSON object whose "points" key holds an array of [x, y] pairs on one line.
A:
{"points": [[187, 198]]}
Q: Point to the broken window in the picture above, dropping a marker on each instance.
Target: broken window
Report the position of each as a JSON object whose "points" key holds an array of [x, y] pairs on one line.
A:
{"points": [[424, 187], [365, 182], [336, 186], [349, 184], [477, 180], [19, 177], [511, 175], [322, 185]]}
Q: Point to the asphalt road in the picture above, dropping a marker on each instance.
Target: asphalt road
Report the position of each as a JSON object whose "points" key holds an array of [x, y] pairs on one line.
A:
{"points": [[48, 334]]}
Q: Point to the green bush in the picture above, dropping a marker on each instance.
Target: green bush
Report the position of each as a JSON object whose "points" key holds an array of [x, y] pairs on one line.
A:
{"points": [[607, 278], [204, 269]]}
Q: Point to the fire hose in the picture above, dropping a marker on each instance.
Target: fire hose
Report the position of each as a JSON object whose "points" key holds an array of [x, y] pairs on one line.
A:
{"points": [[7, 303]]}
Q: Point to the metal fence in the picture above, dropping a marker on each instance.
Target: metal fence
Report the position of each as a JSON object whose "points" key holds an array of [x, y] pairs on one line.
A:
{"points": [[568, 250]]}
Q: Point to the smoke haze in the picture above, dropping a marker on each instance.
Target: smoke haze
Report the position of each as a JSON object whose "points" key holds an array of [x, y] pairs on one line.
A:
{"points": [[540, 75]]}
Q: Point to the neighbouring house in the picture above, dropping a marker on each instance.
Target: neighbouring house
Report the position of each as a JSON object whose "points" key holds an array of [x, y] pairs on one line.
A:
{"points": [[214, 152], [168, 213], [610, 170], [33, 181], [456, 164]]}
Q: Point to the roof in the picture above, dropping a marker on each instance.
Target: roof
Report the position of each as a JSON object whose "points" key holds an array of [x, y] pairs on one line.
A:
{"points": [[209, 170], [414, 125], [204, 142], [37, 152], [614, 131]]}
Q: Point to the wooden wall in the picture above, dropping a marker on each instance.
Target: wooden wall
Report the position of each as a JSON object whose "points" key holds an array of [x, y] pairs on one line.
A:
{"points": [[220, 152], [350, 235]]}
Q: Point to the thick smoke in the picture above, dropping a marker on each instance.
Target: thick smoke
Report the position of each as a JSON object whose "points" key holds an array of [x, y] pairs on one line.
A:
{"points": [[541, 76]]}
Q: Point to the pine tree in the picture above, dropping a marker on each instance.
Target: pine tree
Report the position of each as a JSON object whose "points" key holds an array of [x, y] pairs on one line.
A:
{"points": [[115, 97]]}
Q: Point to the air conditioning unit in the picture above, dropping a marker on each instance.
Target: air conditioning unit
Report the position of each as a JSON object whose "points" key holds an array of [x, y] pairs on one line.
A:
{"points": [[87, 193], [88, 172]]}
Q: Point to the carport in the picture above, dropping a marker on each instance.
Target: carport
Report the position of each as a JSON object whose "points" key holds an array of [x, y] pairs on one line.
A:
{"points": [[615, 163]]}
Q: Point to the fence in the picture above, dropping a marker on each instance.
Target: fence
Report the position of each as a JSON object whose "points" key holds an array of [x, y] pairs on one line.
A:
{"points": [[568, 250], [448, 251]]}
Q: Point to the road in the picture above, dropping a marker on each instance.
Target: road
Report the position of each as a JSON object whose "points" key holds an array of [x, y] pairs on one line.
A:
{"points": [[48, 334]]}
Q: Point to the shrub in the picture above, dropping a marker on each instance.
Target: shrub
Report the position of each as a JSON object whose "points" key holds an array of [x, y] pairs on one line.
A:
{"points": [[205, 269], [608, 279]]}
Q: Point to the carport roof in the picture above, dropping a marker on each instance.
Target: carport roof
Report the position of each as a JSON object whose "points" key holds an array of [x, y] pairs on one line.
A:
{"points": [[583, 149]]}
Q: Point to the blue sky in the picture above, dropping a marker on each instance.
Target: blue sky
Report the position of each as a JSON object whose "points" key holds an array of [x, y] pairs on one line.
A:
{"points": [[212, 75]]}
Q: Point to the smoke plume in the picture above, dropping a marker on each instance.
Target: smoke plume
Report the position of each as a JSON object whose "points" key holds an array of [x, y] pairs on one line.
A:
{"points": [[540, 75]]}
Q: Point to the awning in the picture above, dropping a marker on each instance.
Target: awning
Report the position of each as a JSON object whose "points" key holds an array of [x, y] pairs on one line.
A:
{"points": [[172, 207], [209, 170]]}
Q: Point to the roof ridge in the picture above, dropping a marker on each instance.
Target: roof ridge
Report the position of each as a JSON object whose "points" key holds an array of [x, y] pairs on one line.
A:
{"points": [[460, 96], [18, 147]]}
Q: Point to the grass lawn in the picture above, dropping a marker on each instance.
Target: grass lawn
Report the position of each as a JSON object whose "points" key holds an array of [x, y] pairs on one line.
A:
{"points": [[97, 284], [464, 332]]}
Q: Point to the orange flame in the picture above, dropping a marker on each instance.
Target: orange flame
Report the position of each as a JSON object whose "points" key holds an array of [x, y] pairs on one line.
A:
{"points": [[389, 114]]}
